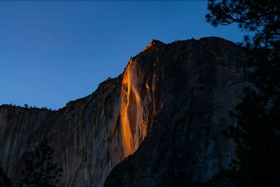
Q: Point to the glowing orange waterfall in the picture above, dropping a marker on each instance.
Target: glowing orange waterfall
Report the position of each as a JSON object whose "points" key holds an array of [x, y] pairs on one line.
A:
{"points": [[126, 132], [132, 124]]}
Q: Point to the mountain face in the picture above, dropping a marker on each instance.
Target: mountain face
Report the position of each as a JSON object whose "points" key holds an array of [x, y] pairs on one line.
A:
{"points": [[159, 123]]}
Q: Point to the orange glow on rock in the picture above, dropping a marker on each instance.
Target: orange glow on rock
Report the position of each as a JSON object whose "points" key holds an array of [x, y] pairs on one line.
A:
{"points": [[126, 133], [132, 124], [150, 45]]}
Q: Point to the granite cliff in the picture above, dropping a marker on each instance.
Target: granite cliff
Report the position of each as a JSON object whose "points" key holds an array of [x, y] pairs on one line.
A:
{"points": [[158, 124]]}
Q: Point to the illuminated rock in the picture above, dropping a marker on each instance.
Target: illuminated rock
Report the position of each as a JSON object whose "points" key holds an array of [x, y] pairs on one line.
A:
{"points": [[198, 83]]}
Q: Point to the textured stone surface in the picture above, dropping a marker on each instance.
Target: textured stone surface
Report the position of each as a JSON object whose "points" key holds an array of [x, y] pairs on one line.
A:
{"points": [[175, 97], [81, 134], [199, 83]]}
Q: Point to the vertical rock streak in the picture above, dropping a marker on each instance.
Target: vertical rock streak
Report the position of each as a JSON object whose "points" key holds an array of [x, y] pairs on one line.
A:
{"points": [[132, 126], [125, 128]]}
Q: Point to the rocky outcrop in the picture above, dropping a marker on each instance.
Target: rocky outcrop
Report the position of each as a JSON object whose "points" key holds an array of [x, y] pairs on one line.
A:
{"points": [[200, 82], [166, 111]]}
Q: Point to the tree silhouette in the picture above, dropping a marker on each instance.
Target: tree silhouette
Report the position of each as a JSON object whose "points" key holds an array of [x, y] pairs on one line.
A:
{"points": [[258, 121], [40, 171], [4, 179]]}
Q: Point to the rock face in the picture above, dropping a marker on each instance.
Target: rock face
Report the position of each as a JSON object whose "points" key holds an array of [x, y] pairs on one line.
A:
{"points": [[173, 99], [199, 82]]}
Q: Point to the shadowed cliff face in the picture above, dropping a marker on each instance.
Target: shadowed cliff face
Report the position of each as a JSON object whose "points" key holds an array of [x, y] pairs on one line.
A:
{"points": [[199, 82], [174, 98]]}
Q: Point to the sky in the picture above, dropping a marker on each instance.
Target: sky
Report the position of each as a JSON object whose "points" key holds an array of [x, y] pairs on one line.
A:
{"points": [[52, 52]]}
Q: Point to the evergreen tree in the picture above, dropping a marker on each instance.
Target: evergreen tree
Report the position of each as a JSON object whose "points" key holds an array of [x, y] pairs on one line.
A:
{"points": [[258, 115], [4, 179], [40, 171]]}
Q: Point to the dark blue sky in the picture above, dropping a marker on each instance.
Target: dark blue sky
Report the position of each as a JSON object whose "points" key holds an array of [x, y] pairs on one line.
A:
{"points": [[53, 52]]}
